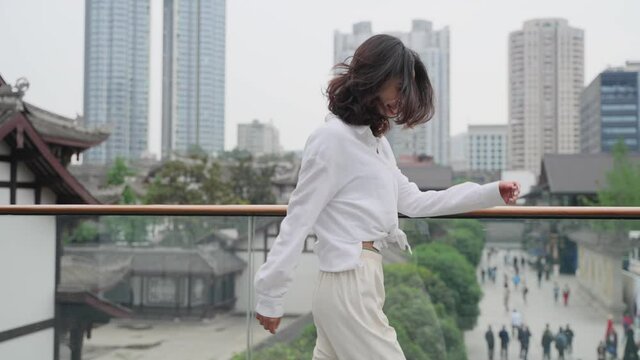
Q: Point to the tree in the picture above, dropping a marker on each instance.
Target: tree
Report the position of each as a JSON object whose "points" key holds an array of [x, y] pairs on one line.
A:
{"points": [[623, 181], [446, 262], [466, 242], [252, 183], [118, 172]]}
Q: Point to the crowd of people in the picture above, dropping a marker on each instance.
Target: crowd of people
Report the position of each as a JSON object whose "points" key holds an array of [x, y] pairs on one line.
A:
{"points": [[559, 344], [563, 339]]}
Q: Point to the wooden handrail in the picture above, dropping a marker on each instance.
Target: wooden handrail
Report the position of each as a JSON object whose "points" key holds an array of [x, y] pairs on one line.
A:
{"points": [[500, 212]]}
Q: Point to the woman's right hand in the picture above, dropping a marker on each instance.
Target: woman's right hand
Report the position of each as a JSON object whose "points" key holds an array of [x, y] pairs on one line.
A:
{"points": [[268, 323]]}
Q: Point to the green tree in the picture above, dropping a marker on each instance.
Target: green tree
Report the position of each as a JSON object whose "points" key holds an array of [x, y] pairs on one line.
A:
{"points": [[252, 183], [118, 172], [623, 181], [450, 266], [466, 242], [84, 232]]}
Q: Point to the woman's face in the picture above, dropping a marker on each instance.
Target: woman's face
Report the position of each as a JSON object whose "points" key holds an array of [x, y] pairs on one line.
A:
{"points": [[389, 95]]}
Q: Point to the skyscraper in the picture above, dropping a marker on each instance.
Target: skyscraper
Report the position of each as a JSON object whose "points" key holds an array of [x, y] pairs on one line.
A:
{"points": [[193, 76], [546, 76], [433, 48], [116, 76], [610, 110]]}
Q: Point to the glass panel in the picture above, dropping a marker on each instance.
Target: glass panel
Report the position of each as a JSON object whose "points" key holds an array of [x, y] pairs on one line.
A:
{"points": [[184, 281], [466, 275]]}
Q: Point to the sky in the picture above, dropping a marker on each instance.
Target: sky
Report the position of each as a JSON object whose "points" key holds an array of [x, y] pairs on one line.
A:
{"points": [[280, 53]]}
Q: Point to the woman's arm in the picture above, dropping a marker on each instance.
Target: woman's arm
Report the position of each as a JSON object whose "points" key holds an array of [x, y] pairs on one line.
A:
{"points": [[457, 199]]}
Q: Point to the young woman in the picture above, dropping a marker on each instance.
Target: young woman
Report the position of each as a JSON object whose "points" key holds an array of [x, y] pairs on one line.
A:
{"points": [[349, 193]]}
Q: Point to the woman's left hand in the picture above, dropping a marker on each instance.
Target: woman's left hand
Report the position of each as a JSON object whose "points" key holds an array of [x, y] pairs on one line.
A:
{"points": [[509, 190]]}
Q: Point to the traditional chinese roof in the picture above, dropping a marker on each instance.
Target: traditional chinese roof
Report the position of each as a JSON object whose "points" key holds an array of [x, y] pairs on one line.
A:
{"points": [[44, 142], [577, 173], [57, 129], [154, 261]]}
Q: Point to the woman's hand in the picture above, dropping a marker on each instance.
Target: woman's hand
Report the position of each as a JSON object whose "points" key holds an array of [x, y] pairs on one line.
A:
{"points": [[268, 323], [509, 190]]}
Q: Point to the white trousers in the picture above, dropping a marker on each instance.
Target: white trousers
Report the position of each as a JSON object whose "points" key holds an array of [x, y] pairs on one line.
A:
{"points": [[347, 312]]}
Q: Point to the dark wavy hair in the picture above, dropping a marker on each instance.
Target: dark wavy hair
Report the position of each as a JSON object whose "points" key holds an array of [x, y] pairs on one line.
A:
{"points": [[353, 92]]}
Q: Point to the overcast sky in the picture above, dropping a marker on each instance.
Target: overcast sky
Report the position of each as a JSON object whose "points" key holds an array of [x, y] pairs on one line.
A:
{"points": [[280, 52]]}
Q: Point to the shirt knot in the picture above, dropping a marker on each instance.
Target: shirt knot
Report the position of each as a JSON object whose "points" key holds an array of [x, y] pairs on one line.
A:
{"points": [[394, 236]]}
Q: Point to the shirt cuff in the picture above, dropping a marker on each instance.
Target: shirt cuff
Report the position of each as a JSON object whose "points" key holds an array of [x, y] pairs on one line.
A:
{"points": [[269, 307], [490, 195]]}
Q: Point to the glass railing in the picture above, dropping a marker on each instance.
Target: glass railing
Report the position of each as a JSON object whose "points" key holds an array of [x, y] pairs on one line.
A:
{"points": [[176, 282]]}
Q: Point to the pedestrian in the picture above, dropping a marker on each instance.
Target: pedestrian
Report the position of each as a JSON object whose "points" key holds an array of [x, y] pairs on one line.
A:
{"points": [[547, 339], [539, 276], [504, 343], [348, 175], [601, 351], [569, 333], [561, 343], [627, 321], [482, 274], [506, 297], [556, 292], [547, 272], [631, 348], [522, 262], [516, 281], [525, 291], [611, 339], [495, 273], [524, 337], [515, 261], [488, 336], [516, 321], [565, 294]]}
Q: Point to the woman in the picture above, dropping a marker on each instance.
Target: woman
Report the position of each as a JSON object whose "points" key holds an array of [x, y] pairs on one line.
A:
{"points": [[349, 193]]}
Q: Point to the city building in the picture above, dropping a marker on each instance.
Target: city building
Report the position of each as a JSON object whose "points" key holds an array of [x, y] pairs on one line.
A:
{"points": [[487, 147], [431, 139], [259, 138], [116, 77], [459, 152], [610, 110], [193, 79], [546, 75]]}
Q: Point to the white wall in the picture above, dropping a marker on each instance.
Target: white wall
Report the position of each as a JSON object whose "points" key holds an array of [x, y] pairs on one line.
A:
{"points": [[47, 196], [5, 171], [25, 196], [27, 275], [23, 173], [38, 345]]}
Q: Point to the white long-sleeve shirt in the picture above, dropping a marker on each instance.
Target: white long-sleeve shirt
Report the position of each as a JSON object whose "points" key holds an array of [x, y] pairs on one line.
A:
{"points": [[350, 190]]}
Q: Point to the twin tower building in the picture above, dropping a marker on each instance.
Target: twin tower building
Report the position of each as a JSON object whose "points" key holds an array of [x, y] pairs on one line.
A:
{"points": [[116, 76]]}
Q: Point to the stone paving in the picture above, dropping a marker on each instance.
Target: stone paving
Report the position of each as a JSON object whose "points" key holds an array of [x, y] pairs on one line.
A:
{"points": [[217, 339], [586, 318]]}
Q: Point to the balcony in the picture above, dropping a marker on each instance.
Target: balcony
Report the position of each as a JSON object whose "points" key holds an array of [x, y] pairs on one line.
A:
{"points": [[176, 282]]}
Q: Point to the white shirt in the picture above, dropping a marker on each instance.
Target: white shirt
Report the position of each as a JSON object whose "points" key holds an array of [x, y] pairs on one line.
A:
{"points": [[350, 190]]}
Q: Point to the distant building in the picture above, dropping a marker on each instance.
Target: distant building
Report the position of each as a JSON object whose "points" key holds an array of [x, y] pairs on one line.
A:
{"points": [[610, 110], [459, 152], [259, 138], [116, 77], [546, 75], [193, 79], [487, 147], [432, 46]]}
